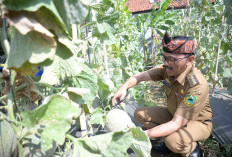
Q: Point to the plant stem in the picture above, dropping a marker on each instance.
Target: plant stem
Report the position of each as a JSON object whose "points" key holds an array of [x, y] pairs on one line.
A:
{"points": [[20, 149], [11, 96], [4, 40]]}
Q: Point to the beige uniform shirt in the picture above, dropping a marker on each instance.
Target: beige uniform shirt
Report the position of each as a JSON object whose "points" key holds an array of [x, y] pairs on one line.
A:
{"points": [[187, 95]]}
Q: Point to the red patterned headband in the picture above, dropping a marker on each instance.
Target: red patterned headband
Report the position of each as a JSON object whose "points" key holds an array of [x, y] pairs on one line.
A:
{"points": [[182, 45]]}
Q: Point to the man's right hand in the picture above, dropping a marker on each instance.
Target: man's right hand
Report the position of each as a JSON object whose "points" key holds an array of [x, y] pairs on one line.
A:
{"points": [[119, 96], [131, 82]]}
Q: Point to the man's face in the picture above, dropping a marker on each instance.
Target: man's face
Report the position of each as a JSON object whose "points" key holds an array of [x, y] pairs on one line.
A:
{"points": [[176, 63]]}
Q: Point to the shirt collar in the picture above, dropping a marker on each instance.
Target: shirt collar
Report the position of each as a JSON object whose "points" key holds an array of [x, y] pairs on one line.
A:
{"points": [[181, 78]]}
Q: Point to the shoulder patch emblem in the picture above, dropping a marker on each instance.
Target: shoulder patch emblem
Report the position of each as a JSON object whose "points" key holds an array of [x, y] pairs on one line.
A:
{"points": [[192, 80], [189, 100]]}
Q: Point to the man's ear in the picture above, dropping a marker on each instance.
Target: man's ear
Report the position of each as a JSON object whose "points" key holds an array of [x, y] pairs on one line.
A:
{"points": [[190, 59]]}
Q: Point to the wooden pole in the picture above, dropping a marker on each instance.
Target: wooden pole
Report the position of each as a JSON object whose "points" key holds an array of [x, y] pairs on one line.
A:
{"points": [[218, 53], [106, 61], [74, 32], [83, 122]]}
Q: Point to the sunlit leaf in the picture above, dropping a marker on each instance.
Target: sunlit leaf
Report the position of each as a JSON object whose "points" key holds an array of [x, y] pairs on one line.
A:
{"points": [[64, 66], [72, 11], [109, 144], [97, 117], [32, 48], [35, 6], [54, 117], [141, 143], [85, 79]]}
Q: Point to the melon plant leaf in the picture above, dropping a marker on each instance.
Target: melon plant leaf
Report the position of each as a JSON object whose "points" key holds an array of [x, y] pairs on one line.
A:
{"points": [[54, 117], [105, 32], [140, 144], [24, 23], [8, 138], [31, 145], [34, 6], [109, 144], [85, 79], [105, 83], [72, 11], [227, 73], [68, 43], [63, 67], [32, 47], [97, 117]]}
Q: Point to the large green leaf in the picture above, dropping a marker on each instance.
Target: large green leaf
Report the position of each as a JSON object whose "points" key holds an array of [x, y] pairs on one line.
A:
{"points": [[141, 144], [85, 79], [54, 117], [72, 11], [33, 48], [105, 32], [105, 83], [34, 6], [64, 66], [110, 144], [26, 4], [32, 147], [97, 117]]}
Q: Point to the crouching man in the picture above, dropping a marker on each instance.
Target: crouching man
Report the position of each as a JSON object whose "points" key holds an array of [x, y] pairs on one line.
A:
{"points": [[187, 117]]}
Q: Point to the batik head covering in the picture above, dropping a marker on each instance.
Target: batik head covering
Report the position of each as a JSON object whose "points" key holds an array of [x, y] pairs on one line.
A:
{"points": [[181, 45]]}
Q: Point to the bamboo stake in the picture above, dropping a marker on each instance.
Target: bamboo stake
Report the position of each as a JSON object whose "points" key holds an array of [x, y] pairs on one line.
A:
{"points": [[83, 122], [152, 42], [218, 53], [82, 116], [106, 61], [74, 32]]}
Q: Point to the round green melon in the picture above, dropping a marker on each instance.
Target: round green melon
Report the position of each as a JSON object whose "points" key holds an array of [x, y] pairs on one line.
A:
{"points": [[118, 120], [8, 139]]}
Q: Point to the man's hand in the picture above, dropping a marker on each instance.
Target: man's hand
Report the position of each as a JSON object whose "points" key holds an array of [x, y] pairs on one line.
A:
{"points": [[131, 82], [119, 95]]}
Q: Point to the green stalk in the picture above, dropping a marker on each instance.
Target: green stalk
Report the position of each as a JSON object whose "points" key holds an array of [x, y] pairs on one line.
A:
{"points": [[11, 95], [4, 40], [20, 147]]}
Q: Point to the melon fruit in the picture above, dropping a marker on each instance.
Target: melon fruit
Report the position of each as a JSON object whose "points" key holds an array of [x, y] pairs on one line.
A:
{"points": [[118, 120]]}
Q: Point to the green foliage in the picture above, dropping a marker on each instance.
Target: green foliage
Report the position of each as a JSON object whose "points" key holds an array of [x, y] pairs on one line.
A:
{"points": [[141, 149], [115, 144], [8, 139], [42, 37], [52, 119], [85, 79], [25, 49], [64, 66]]}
